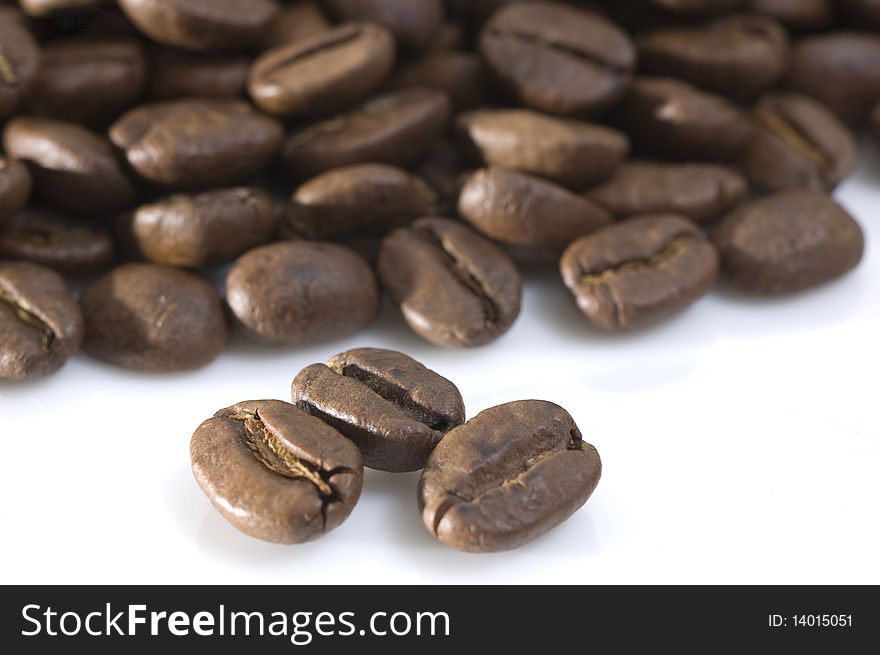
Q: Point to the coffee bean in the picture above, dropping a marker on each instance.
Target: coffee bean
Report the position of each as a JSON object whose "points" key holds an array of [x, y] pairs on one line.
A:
{"points": [[672, 119], [73, 168], [521, 209], [413, 23], [19, 61], [358, 200], [634, 274], [841, 69], [797, 14], [395, 409], [298, 20], [299, 292], [454, 287], [738, 56], [699, 7], [276, 473], [460, 75], [152, 318], [558, 58], [208, 229], [571, 153], [700, 192], [451, 36], [798, 144], [202, 24], [507, 476], [327, 72], [196, 144], [395, 128], [861, 13], [787, 242], [88, 80], [177, 74], [15, 188], [41, 325], [41, 8], [52, 239], [444, 171]]}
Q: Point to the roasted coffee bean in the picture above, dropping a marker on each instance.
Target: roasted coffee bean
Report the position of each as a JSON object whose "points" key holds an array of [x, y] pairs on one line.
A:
{"points": [[861, 13], [358, 200], [798, 144], [41, 325], [460, 75], [507, 476], [701, 192], [41, 8], [50, 238], [413, 23], [19, 61], [15, 187], [787, 242], [88, 80], [444, 171], [738, 56], [202, 24], [196, 144], [276, 473], [841, 69], [152, 318], [390, 405], [395, 128], [450, 36], [558, 58], [797, 14], [636, 273], [454, 287], [327, 72], [672, 119], [521, 209], [298, 292], [73, 168], [571, 153], [208, 229], [180, 74], [298, 20], [699, 7]]}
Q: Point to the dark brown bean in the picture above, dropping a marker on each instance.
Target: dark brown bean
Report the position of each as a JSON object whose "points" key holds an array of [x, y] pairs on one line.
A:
{"points": [[672, 119], [460, 75], [571, 153], [299, 292], [42, 8], [413, 23], [41, 325], [297, 20], [798, 144], [394, 408], [738, 56], [789, 241], [507, 476], [634, 274], [797, 14], [521, 209], [52, 239], [701, 192], [202, 24], [396, 128], [152, 318], [19, 61], [195, 144], [454, 287], [88, 80], [180, 74], [73, 168], [557, 58], [698, 7], [324, 73], [15, 187], [276, 473], [208, 229], [841, 69], [358, 200]]}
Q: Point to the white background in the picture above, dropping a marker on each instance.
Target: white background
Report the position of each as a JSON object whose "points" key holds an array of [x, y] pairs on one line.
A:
{"points": [[740, 440]]}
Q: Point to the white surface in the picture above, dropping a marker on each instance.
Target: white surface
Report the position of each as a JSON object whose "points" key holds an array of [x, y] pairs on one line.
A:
{"points": [[741, 444]]}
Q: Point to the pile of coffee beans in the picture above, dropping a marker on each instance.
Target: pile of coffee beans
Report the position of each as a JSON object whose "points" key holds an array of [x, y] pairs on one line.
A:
{"points": [[291, 472]]}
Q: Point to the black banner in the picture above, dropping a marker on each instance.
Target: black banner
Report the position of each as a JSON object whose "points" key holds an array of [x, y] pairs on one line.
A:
{"points": [[435, 619]]}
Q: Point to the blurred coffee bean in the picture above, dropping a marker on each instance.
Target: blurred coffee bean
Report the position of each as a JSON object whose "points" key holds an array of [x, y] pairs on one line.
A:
{"points": [[296, 20], [19, 61], [460, 75], [15, 187], [180, 74], [413, 23], [799, 15]]}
